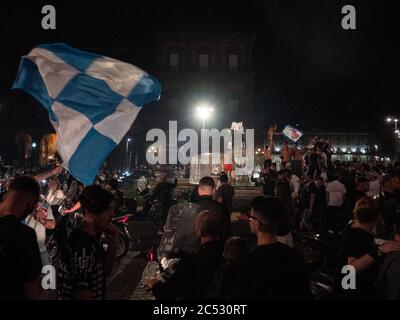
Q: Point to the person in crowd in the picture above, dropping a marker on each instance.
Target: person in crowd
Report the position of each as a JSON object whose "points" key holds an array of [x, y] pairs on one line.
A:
{"points": [[55, 197], [40, 220], [84, 265], [297, 160], [272, 270], [205, 202], [317, 204], [361, 191], [272, 131], [303, 203], [328, 150], [43, 176], [194, 196], [268, 152], [283, 192], [360, 250], [388, 283], [119, 199], [235, 249], [335, 196], [285, 155], [269, 184], [21, 265], [194, 275], [324, 175], [389, 204], [163, 192], [314, 164], [295, 182], [225, 194], [374, 184]]}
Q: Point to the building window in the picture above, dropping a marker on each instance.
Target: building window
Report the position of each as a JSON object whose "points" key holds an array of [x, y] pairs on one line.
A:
{"points": [[174, 60], [203, 61], [233, 105], [233, 61]]}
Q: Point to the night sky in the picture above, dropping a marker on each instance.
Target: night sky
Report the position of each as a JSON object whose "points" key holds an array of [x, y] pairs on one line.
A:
{"points": [[308, 69]]}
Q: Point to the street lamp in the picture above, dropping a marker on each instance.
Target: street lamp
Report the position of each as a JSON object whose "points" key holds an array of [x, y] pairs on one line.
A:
{"points": [[34, 145], [204, 111], [127, 152], [395, 120]]}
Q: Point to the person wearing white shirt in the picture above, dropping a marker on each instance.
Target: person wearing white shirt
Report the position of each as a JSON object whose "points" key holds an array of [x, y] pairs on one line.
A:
{"points": [[40, 220], [335, 193], [295, 186], [55, 197]]}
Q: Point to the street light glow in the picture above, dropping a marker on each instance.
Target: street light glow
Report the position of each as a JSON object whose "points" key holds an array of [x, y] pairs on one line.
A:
{"points": [[34, 145], [396, 120], [389, 119], [204, 111]]}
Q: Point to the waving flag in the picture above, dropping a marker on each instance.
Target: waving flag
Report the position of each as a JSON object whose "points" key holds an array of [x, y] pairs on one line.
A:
{"points": [[292, 133], [92, 101]]}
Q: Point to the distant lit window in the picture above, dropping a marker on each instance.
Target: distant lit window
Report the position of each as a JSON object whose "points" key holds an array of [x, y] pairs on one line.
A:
{"points": [[203, 61], [174, 60], [233, 61]]}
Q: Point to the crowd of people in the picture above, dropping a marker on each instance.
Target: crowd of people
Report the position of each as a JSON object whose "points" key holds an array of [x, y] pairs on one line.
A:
{"points": [[359, 202]]}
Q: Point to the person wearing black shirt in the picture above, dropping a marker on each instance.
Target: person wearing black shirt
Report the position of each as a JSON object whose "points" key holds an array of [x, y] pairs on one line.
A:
{"points": [[269, 184], [361, 191], [317, 204], [195, 272], [84, 266], [360, 250], [225, 193], [205, 191], [163, 192], [272, 270], [235, 249], [119, 200], [21, 265], [314, 167], [389, 204], [389, 280]]}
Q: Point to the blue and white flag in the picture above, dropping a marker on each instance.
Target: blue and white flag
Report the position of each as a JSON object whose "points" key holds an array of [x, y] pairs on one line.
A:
{"points": [[92, 101]]}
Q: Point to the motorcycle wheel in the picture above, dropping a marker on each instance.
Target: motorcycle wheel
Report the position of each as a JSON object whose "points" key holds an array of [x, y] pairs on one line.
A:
{"points": [[53, 248], [122, 247]]}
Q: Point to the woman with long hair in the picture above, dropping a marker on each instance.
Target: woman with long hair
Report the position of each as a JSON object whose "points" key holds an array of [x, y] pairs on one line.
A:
{"points": [[55, 197]]}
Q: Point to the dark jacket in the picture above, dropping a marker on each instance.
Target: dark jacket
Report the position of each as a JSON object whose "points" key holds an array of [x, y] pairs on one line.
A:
{"points": [[194, 274], [389, 280], [207, 203]]}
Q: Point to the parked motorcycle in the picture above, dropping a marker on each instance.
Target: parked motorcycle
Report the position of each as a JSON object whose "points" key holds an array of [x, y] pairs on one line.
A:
{"points": [[71, 221], [324, 264]]}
